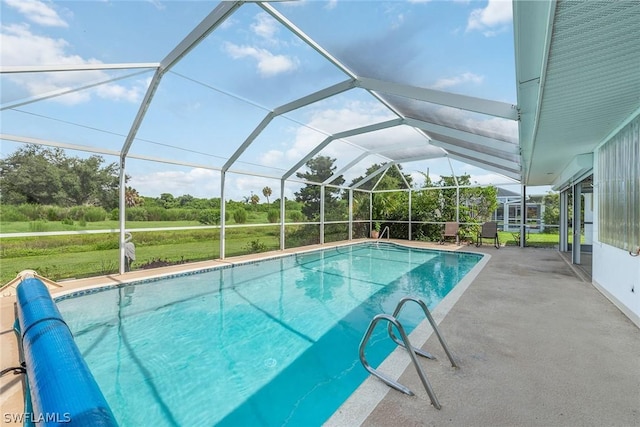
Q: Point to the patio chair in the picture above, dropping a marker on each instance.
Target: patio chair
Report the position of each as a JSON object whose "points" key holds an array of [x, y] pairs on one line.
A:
{"points": [[489, 230], [450, 230]]}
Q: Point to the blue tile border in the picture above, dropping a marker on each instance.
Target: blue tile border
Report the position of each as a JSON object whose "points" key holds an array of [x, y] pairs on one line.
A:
{"points": [[106, 287]]}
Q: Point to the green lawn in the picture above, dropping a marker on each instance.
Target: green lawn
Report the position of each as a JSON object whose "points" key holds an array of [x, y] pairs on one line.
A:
{"points": [[76, 256], [534, 239]]}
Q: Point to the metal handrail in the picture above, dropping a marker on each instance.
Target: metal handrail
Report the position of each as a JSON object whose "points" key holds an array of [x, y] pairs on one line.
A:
{"points": [[427, 314], [382, 234], [408, 346]]}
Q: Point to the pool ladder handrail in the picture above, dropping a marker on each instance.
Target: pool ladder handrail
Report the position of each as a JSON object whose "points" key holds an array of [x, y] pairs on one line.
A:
{"points": [[406, 344], [382, 234], [433, 324]]}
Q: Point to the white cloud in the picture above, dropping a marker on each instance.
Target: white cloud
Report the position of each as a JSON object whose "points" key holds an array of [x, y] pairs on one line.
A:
{"points": [[118, 92], [205, 183], [331, 4], [265, 26], [352, 115], [492, 19], [157, 4], [21, 47], [196, 182], [38, 12], [268, 64], [458, 80], [272, 158]]}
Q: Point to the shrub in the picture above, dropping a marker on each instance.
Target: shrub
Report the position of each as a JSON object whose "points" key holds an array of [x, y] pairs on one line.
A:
{"points": [[137, 214], [174, 214], [240, 216], [94, 214], [296, 216], [11, 213], [77, 212], [32, 212], [209, 216], [67, 221], [256, 246], [54, 214], [273, 216], [154, 213]]}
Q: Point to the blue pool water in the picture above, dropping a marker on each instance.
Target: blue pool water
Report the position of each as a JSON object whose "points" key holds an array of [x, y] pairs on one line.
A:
{"points": [[266, 343]]}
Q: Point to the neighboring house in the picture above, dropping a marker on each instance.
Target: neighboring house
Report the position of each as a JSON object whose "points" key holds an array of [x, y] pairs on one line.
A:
{"points": [[508, 214]]}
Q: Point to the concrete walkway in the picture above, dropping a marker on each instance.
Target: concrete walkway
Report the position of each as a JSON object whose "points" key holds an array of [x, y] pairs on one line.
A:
{"points": [[536, 346]]}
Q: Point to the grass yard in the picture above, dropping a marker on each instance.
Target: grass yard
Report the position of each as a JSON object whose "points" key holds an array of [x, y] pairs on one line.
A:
{"points": [[537, 240], [85, 255], [77, 256]]}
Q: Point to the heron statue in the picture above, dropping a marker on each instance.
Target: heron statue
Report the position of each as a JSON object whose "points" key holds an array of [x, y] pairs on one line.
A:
{"points": [[129, 251]]}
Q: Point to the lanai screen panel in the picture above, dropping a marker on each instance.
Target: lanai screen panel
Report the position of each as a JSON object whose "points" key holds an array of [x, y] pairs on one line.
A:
{"points": [[467, 121], [342, 112], [253, 57], [402, 42], [68, 33], [190, 122], [89, 108], [385, 140], [151, 178]]}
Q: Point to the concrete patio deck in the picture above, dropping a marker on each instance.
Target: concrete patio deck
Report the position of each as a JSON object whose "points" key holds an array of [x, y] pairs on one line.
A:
{"points": [[536, 346]]}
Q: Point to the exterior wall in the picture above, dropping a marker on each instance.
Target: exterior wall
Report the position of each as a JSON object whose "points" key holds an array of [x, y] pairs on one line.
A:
{"points": [[615, 272], [617, 275]]}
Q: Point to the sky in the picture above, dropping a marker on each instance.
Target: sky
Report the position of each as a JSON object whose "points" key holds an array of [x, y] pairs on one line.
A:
{"points": [[213, 98]]}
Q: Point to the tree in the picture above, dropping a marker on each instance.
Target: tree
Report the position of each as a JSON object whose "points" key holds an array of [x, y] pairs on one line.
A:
{"points": [[30, 175], [168, 201], [551, 216], [86, 181], [319, 169], [391, 206], [132, 198], [46, 176], [266, 192], [254, 200]]}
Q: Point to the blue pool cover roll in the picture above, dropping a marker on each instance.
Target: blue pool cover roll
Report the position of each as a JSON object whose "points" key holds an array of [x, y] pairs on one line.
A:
{"points": [[63, 390]]}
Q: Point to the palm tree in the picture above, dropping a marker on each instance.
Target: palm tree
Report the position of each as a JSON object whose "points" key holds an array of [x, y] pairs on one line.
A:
{"points": [[266, 191], [254, 200], [131, 197]]}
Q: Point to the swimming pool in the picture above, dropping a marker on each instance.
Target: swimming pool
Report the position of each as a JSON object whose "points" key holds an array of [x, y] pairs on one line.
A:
{"points": [[271, 342]]}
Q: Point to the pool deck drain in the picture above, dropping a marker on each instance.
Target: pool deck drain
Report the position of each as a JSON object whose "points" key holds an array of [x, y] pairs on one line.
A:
{"points": [[536, 345]]}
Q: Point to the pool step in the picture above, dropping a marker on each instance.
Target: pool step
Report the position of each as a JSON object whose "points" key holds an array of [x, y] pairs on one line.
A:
{"points": [[405, 343]]}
